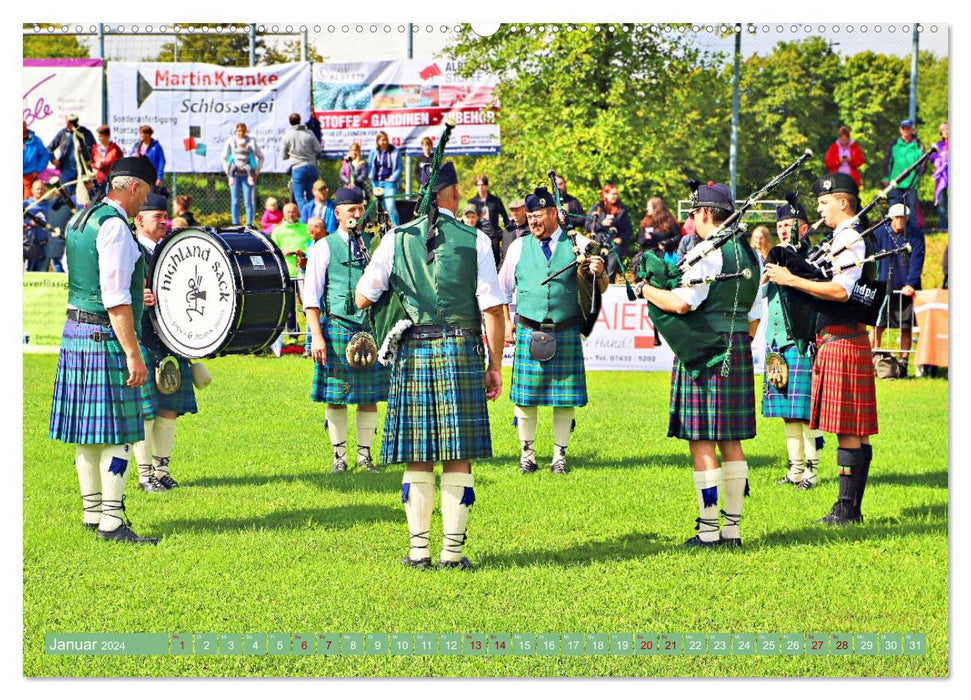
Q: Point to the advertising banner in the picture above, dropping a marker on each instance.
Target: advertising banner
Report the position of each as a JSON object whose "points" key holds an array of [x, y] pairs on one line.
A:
{"points": [[407, 99], [194, 108], [55, 87]]}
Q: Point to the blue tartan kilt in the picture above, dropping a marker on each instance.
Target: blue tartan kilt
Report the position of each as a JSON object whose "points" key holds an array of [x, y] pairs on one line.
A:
{"points": [[437, 402], [560, 381], [793, 401], [181, 402], [337, 382], [715, 407], [92, 405]]}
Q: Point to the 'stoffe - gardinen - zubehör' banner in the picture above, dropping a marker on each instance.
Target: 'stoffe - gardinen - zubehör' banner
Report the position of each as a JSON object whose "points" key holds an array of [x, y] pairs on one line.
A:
{"points": [[407, 99], [56, 87], [195, 107]]}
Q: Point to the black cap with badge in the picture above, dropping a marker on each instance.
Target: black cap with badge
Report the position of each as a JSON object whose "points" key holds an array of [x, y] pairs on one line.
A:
{"points": [[134, 166], [792, 209], [836, 183], [539, 199]]}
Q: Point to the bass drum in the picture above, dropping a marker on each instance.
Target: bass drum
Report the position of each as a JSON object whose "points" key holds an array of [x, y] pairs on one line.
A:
{"points": [[218, 291]]}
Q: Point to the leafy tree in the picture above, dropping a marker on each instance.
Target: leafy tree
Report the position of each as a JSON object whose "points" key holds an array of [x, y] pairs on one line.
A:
{"points": [[54, 44], [230, 48]]}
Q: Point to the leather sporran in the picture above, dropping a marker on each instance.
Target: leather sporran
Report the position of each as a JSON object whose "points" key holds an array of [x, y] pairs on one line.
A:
{"points": [[542, 346], [168, 377], [777, 370], [362, 350]]}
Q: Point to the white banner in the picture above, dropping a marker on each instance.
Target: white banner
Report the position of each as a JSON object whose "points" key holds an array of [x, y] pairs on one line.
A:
{"points": [[55, 87], [194, 108], [407, 99]]}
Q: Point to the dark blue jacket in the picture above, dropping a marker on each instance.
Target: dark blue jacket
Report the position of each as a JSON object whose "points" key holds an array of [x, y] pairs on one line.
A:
{"points": [[36, 155], [154, 154], [903, 268]]}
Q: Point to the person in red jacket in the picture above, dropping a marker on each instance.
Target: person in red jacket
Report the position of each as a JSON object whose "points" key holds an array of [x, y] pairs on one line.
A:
{"points": [[845, 156], [104, 153]]}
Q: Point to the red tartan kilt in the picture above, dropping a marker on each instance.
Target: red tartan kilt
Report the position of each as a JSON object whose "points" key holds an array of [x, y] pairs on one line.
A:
{"points": [[844, 399]]}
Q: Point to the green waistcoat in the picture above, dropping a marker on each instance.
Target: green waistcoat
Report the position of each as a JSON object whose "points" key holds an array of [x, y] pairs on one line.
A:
{"points": [[441, 293], [84, 280], [775, 328], [557, 300], [342, 276], [720, 305]]}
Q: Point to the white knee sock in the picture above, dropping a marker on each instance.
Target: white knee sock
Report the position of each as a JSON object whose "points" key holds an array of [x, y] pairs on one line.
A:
{"points": [[707, 484], [113, 465], [795, 447], [812, 454], [143, 453], [736, 480], [418, 495], [88, 462], [163, 438], [457, 497], [526, 424], [562, 428], [337, 427], [367, 427]]}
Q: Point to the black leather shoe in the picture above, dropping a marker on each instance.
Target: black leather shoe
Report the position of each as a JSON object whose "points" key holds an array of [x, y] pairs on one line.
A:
{"points": [[805, 485], [698, 542], [125, 534], [425, 563], [340, 466], [168, 482], [730, 541], [840, 515], [153, 485], [786, 480], [462, 563], [559, 467], [527, 466], [89, 526], [369, 465]]}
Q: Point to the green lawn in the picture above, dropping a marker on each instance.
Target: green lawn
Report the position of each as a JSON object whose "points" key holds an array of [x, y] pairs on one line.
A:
{"points": [[261, 538]]}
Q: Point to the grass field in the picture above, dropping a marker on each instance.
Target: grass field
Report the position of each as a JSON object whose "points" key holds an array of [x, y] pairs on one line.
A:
{"points": [[261, 538]]}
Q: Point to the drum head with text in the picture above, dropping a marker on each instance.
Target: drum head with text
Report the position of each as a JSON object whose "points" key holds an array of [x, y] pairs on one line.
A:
{"points": [[195, 293]]}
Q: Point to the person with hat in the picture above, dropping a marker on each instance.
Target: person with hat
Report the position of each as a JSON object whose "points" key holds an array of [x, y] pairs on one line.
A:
{"points": [[901, 273], [716, 408], [517, 228], [788, 368], [470, 215], [445, 279], [334, 266], [321, 205], [70, 143], [97, 401], [901, 153], [160, 409], [548, 364], [843, 397]]}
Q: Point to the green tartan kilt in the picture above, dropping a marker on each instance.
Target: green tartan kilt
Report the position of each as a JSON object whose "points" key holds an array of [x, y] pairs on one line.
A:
{"points": [[560, 381], [793, 401], [91, 404], [715, 407], [181, 402], [437, 402], [337, 382]]}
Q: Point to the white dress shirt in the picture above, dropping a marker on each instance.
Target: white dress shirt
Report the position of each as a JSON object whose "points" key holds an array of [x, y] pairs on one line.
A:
{"points": [[315, 279], [709, 266], [854, 253], [117, 254], [507, 275], [377, 274]]}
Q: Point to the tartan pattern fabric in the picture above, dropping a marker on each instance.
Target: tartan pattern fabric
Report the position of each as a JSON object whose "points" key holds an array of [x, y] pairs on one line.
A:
{"points": [[793, 402], [92, 405], [437, 402], [844, 399], [337, 382], [181, 402], [715, 407], [560, 381]]}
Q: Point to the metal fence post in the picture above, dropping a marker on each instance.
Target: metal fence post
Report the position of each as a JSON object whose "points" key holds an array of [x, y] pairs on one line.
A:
{"points": [[733, 148]]}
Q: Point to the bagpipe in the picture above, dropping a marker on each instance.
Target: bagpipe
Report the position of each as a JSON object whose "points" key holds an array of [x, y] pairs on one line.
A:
{"points": [[362, 349], [56, 188]]}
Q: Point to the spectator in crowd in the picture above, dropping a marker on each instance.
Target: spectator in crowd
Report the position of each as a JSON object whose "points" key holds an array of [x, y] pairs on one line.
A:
{"points": [[148, 147], [384, 170], [316, 229], [903, 152], [59, 212], [609, 223], [571, 204], [426, 157], [178, 222], [845, 156], [470, 215], [939, 161], [243, 160], [322, 206], [35, 233], [104, 153], [761, 241], [491, 209], [272, 216], [64, 150], [657, 227], [901, 273], [689, 239], [183, 203], [354, 173], [36, 158], [302, 149], [293, 238], [517, 228]]}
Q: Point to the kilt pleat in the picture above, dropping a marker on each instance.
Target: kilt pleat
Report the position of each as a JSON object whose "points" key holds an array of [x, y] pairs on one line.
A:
{"points": [[560, 381], [437, 402], [714, 407], [181, 402], [91, 403], [792, 402], [844, 398], [337, 382]]}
